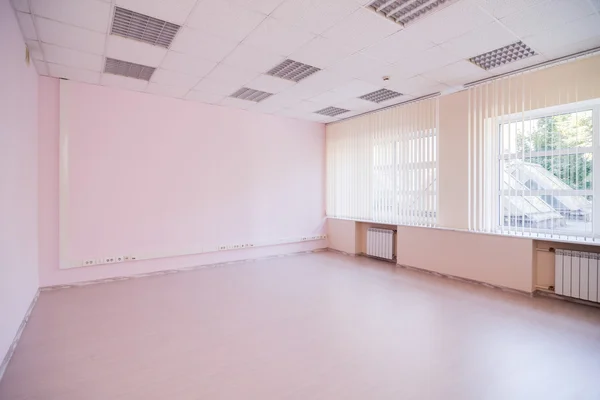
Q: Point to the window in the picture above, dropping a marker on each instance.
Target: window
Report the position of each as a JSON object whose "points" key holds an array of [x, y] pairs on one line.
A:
{"points": [[546, 163], [382, 167]]}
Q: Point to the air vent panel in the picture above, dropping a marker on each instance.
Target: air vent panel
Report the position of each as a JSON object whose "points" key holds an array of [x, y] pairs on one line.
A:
{"points": [[251, 95], [293, 70], [380, 95], [128, 69], [332, 111], [404, 12], [143, 28], [504, 55]]}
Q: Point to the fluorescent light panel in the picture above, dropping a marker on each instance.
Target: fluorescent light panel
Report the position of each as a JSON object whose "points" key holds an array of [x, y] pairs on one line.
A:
{"points": [[251, 95], [504, 55], [143, 28], [128, 69], [405, 12], [332, 111], [293, 70], [380, 95]]}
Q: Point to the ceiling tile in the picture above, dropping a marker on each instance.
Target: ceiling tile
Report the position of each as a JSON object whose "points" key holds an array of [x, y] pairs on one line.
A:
{"points": [[545, 16], [481, 40], [450, 22], [572, 48], [502, 8], [458, 73], [269, 84], [89, 14], [123, 82], [317, 118], [308, 106], [253, 58], [21, 5], [224, 19], [329, 98], [356, 104], [279, 100], [163, 90], [133, 51], [208, 46], [279, 37], [75, 74], [40, 67], [35, 49], [315, 84], [263, 6], [418, 86], [27, 27], [176, 79], [432, 58], [559, 42], [358, 65], [236, 103], [69, 36], [72, 58], [190, 64], [217, 87], [355, 88], [361, 29], [321, 52], [230, 74], [204, 97], [268, 105], [399, 46], [175, 11], [315, 15]]}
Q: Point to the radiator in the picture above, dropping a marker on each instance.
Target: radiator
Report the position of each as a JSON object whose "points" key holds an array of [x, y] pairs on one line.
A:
{"points": [[380, 243], [576, 274]]}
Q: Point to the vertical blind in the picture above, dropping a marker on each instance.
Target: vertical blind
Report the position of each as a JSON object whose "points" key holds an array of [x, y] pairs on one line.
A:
{"points": [[382, 166], [533, 156]]}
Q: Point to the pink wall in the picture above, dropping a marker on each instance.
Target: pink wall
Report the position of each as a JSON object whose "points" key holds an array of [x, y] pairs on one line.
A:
{"points": [[18, 180], [149, 175]]}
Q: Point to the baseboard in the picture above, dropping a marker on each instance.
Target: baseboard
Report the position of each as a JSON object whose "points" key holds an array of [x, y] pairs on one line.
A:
{"points": [[552, 295], [176, 271], [15, 341], [340, 252]]}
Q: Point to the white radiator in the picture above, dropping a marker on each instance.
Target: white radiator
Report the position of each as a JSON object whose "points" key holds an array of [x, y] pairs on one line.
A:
{"points": [[380, 243], [576, 274]]}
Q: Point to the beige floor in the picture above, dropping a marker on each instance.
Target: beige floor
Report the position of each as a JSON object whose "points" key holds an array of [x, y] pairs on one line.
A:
{"points": [[318, 326]]}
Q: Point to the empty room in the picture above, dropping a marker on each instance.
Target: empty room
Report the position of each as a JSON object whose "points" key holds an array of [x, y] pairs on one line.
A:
{"points": [[300, 199]]}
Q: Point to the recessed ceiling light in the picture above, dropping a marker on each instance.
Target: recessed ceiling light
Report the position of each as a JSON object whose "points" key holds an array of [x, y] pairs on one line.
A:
{"points": [[128, 69], [293, 70], [380, 95], [251, 95], [332, 111], [405, 12], [504, 55], [143, 28]]}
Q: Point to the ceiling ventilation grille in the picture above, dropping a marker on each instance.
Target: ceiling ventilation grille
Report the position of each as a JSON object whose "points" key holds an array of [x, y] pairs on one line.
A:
{"points": [[332, 111], [251, 95], [293, 70], [143, 28], [504, 55], [405, 12], [128, 69], [380, 95]]}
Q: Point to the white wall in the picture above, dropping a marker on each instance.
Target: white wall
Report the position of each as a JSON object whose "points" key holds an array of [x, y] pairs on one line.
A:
{"points": [[18, 180]]}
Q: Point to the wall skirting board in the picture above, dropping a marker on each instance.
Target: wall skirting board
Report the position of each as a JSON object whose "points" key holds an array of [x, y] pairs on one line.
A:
{"points": [[178, 270], [15, 341]]}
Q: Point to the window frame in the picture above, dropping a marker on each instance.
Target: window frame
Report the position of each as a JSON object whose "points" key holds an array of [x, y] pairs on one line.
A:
{"points": [[501, 156]]}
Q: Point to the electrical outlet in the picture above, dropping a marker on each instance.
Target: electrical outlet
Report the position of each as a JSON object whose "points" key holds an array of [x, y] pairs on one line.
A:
{"points": [[109, 260], [242, 246], [119, 259], [304, 238], [236, 246], [223, 247], [250, 245], [133, 258], [100, 261], [87, 263], [126, 258]]}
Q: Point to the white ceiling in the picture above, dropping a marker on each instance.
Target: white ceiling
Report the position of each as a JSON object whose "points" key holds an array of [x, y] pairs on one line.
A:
{"points": [[226, 44]]}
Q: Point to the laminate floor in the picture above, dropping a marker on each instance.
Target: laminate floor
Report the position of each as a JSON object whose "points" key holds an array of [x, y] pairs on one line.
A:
{"points": [[316, 326]]}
